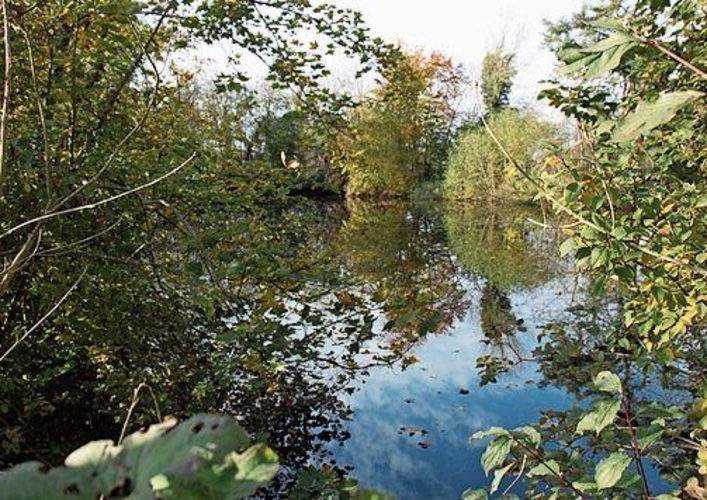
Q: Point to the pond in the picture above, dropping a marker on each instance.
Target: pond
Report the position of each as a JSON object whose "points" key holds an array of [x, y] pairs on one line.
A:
{"points": [[360, 338], [410, 427]]}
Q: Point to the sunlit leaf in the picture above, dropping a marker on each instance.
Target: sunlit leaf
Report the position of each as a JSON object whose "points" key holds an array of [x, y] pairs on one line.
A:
{"points": [[547, 468], [475, 495], [603, 415], [203, 454], [649, 115], [608, 382], [498, 476], [610, 470], [496, 453]]}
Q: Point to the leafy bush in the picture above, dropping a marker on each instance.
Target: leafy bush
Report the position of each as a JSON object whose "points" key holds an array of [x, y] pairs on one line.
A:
{"points": [[479, 169]]}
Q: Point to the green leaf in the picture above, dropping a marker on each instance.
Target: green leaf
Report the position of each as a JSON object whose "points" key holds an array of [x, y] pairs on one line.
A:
{"points": [[585, 487], [610, 470], [498, 476], [567, 246], [608, 382], [614, 40], [549, 468], [603, 415], [649, 115], [649, 436], [475, 495], [609, 23], [496, 453], [601, 57], [492, 432], [599, 257], [608, 61], [528, 434], [204, 457], [371, 495]]}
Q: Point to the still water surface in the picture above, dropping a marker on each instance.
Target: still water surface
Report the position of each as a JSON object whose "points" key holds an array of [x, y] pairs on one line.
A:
{"points": [[410, 428], [353, 342]]}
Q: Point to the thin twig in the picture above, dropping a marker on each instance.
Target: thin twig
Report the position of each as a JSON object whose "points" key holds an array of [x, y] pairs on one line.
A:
{"points": [[106, 201], [45, 317], [21, 258], [672, 55], [518, 476], [61, 250], [133, 403], [6, 85], [40, 110]]}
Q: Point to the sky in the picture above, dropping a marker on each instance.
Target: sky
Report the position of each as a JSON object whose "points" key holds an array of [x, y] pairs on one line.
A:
{"points": [[461, 29], [466, 29]]}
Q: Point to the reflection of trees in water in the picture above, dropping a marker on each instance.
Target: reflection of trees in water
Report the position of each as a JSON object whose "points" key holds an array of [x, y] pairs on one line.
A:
{"points": [[498, 323], [72, 382], [298, 328], [498, 246], [399, 252]]}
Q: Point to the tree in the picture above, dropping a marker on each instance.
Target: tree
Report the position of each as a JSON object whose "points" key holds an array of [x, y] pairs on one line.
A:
{"points": [[402, 134], [129, 227], [497, 73], [479, 169]]}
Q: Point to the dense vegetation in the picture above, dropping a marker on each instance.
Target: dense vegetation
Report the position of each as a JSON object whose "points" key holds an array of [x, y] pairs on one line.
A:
{"points": [[636, 196], [162, 252]]}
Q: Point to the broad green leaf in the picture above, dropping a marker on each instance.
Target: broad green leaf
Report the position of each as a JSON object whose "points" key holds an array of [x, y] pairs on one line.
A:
{"points": [[585, 487], [599, 257], [549, 468], [205, 457], [649, 115], [651, 435], [601, 57], [608, 60], [492, 432], [567, 246], [570, 55], [615, 40], [496, 453], [608, 382], [498, 476], [528, 434], [602, 415], [610, 470]]}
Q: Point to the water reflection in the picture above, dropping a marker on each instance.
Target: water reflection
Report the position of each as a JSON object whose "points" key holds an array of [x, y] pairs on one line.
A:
{"points": [[410, 427], [351, 338], [500, 245], [399, 254]]}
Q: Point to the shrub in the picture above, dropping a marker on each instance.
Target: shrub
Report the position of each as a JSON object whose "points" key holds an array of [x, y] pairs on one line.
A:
{"points": [[478, 168]]}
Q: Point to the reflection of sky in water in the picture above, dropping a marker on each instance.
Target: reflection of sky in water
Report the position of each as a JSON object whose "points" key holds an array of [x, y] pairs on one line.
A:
{"points": [[427, 396]]}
